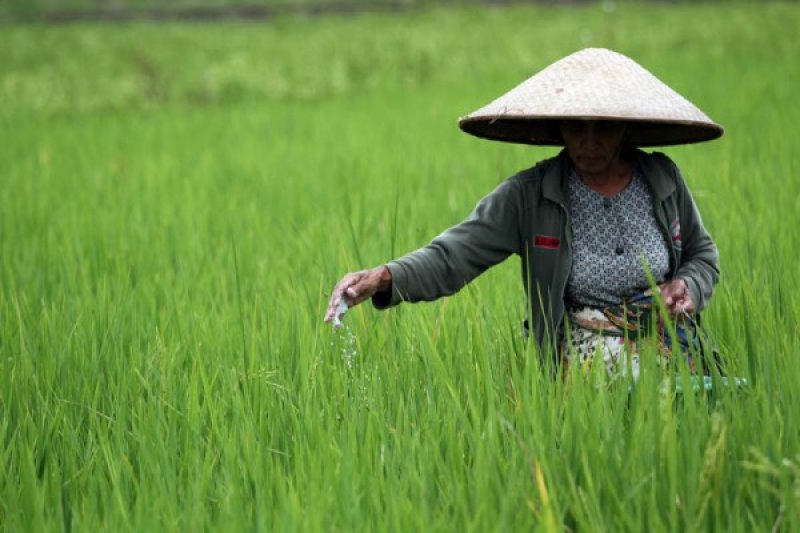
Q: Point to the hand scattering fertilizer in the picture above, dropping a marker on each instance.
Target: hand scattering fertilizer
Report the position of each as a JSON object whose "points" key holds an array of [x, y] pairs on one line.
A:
{"points": [[341, 309]]}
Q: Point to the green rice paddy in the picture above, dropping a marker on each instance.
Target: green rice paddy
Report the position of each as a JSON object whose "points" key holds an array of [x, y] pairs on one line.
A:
{"points": [[178, 200]]}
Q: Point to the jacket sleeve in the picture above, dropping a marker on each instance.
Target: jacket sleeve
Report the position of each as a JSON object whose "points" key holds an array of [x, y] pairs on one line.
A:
{"points": [[699, 259], [488, 236]]}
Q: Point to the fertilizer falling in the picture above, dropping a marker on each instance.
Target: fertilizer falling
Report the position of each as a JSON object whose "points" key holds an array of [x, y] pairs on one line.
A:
{"points": [[345, 341], [347, 347]]}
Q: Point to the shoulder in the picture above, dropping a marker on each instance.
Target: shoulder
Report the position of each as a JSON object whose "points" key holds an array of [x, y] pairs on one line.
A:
{"points": [[541, 168], [661, 173], [657, 160], [521, 189], [532, 177], [659, 163]]}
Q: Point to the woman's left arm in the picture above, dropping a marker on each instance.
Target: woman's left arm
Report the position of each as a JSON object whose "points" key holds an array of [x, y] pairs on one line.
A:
{"points": [[699, 260]]}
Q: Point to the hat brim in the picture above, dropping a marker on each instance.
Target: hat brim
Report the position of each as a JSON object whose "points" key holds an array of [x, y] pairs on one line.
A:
{"points": [[544, 131], [592, 84]]}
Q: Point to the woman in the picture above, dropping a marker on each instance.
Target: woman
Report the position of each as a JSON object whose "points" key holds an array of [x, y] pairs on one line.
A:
{"points": [[590, 225]]}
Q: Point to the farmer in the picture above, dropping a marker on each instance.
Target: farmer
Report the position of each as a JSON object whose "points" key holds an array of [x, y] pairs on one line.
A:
{"points": [[590, 225]]}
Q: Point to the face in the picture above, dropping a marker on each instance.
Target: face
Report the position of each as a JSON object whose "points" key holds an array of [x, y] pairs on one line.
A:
{"points": [[593, 145]]}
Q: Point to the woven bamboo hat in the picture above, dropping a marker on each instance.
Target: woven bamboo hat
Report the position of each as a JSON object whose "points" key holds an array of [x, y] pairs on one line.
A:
{"points": [[592, 84]]}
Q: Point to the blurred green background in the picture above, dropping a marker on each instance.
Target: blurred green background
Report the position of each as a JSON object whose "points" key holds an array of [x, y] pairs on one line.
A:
{"points": [[71, 10], [179, 197]]}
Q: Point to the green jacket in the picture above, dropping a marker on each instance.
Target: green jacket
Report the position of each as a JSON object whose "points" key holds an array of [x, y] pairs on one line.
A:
{"points": [[528, 215]]}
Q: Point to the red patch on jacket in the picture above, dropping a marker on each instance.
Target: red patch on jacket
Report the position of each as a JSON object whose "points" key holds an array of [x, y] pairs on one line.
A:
{"points": [[675, 230], [545, 241]]}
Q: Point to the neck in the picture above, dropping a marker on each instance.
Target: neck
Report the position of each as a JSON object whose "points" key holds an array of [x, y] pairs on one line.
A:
{"points": [[608, 181]]}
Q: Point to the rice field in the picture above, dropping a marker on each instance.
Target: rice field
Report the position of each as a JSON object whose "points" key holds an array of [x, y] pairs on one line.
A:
{"points": [[178, 200]]}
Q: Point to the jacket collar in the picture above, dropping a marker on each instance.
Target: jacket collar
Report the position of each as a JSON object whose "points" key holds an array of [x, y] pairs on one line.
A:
{"points": [[554, 181], [657, 175]]}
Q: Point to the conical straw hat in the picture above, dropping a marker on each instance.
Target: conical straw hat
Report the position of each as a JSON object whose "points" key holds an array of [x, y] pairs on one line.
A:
{"points": [[594, 83]]}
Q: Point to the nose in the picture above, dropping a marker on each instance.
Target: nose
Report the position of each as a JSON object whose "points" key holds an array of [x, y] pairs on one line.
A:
{"points": [[590, 136]]}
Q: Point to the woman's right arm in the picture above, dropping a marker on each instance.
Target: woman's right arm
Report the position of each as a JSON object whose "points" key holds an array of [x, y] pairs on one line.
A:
{"points": [[488, 236]]}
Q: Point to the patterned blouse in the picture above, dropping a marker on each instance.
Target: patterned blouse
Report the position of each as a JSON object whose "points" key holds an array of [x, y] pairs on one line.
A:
{"points": [[612, 238]]}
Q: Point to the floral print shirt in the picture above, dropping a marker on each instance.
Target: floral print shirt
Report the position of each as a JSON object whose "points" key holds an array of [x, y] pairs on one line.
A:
{"points": [[614, 240]]}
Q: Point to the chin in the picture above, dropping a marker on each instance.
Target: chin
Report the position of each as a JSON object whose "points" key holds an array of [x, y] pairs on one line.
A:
{"points": [[592, 168]]}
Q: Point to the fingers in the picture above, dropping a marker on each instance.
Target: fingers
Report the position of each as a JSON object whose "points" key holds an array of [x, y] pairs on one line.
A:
{"points": [[672, 294], [677, 297], [685, 304], [353, 289], [338, 294], [363, 288]]}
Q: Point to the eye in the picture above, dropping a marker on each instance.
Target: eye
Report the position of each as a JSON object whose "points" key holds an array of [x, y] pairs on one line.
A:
{"points": [[573, 126], [606, 126]]}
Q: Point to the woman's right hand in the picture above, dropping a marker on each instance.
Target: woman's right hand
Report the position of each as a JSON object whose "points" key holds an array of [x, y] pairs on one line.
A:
{"points": [[356, 287]]}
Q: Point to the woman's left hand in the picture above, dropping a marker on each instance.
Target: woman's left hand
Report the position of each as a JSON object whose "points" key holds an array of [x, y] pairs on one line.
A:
{"points": [[677, 298]]}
